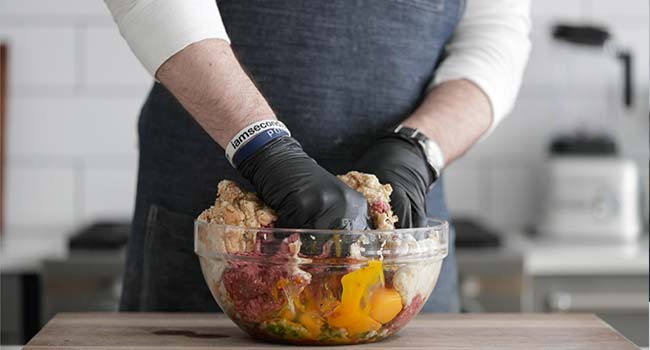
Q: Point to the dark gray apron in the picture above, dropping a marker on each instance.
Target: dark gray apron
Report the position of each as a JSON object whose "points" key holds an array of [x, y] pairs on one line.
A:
{"points": [[337, 72]]}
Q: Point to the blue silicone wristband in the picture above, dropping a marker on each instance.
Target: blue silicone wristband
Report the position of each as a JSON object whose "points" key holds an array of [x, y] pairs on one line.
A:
{"points": [[256, 143]]}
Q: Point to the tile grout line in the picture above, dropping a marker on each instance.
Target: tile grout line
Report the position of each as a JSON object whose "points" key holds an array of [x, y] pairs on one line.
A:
{"points": [[481, 208], [45, 161], [80, 60], [56, 20], [79, 184], [88, 91]]}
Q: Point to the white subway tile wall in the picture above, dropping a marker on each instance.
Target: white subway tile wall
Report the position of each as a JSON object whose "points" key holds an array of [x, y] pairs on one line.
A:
{"points": [[463, 188], [511, 182], [41, 195], [40, 56], [557, 97], [110, 61], [73, 126], [76, 91], [52, 8], [108, 190]]}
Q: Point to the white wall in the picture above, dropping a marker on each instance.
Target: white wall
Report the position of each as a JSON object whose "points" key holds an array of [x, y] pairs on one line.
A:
{"points": [[75, 93], [499, 180]]}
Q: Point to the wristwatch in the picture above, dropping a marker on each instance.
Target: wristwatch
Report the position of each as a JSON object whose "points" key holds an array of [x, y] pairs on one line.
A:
{"points": [[432, 151]]}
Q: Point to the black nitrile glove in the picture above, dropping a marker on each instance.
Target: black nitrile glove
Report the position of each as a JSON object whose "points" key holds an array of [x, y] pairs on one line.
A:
{"points": [[400, 162], [303, 193]]}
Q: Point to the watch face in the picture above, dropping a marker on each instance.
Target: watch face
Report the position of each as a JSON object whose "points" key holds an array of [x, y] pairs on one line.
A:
{"points": [[434, 154], [431, 150]]}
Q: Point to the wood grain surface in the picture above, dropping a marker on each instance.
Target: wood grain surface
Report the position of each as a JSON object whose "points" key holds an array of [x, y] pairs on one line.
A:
{"points": [[433, 331]]}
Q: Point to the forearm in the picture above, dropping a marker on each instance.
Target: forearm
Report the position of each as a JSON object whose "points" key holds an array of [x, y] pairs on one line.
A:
{"points": [[209, 82], [455, 114]]}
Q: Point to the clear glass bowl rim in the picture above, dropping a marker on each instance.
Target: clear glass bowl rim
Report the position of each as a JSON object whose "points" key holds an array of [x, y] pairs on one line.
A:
{"points": [[438, 224]]}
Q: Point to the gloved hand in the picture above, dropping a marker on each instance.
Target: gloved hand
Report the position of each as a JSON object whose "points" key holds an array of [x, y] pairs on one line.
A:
{"points": [[303, 193], [401, 162]]}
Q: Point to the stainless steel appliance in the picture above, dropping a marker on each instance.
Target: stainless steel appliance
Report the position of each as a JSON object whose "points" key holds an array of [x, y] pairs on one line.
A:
{"points": [[84, 281], [592, 198], [619, 299], [591, 191], [89, 278]]}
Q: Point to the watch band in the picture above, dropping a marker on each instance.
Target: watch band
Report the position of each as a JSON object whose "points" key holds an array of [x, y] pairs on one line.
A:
{"points": [[432, 151], [410, 132]]}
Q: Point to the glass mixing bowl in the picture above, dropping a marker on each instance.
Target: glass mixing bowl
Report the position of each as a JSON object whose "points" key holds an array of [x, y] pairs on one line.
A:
{"points": [[320, 287]]}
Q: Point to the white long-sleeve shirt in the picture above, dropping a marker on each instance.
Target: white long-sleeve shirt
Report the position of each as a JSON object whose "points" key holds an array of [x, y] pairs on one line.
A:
{"points": [[489, 47]]}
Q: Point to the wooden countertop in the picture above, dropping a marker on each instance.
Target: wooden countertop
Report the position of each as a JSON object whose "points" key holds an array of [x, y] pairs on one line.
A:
{"points": [[431, 331]]}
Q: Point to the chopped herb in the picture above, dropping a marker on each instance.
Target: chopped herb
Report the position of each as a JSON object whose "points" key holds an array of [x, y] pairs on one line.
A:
{"points": [[285, 329]]}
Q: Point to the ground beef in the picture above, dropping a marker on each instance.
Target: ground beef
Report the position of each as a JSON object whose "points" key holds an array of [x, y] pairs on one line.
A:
{"points": [[259, 290], [254, 290]]}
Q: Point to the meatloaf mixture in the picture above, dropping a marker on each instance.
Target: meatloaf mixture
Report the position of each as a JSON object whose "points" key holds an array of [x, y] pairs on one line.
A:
{"points": [[308, 298], [237, 207]]}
